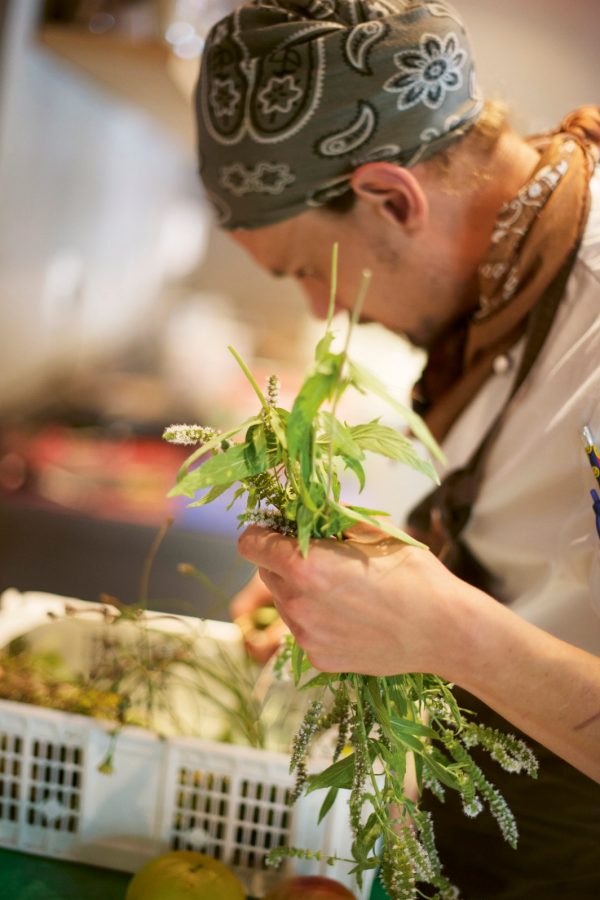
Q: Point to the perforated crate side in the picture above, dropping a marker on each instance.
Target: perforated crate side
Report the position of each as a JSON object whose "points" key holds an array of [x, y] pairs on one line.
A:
{"points": [[233, 803], [41, 779]]}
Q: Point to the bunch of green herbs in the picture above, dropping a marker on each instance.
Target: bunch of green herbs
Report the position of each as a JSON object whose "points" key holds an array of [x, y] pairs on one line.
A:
{"points": [[287, 467]]}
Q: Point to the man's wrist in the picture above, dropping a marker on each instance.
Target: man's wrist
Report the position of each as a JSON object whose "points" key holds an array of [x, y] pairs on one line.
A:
{"points": [[473, 638]]}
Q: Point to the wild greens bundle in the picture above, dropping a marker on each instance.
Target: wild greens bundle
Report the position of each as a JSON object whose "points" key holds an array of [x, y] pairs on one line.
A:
{"points": [[287, 466]]}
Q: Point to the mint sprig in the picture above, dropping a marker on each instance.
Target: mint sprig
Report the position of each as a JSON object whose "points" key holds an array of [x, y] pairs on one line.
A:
{"points": [[287, 466]]}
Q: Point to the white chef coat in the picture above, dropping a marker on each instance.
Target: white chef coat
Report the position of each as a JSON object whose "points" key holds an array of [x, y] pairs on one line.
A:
{"points": [[532, 524]]}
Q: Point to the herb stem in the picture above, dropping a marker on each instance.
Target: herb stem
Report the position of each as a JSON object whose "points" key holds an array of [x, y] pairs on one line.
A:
{"points": [[333, 287], [149, 561], [249, 376]]}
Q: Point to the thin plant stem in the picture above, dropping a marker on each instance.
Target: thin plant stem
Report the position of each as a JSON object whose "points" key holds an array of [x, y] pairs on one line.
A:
{"points": [[249, 376], [333, 286], [149, 562]]}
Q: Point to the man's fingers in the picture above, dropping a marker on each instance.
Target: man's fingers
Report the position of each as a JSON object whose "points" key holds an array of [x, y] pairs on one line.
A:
{"points": [[268, 549], [274, 583], [252, 596]]}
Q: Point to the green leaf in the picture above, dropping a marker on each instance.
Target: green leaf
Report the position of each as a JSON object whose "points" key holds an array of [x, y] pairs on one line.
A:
{"points": [[376, 700], [297, 663], [320, 680], [305, 522], [366, 511], [340, 436], [212, 445], [441, 773], [351, 513], [409, 726], [277, 419], [324, 346], [300, 430], [354, 466], [256, 446], [235, 464], [362, 378], [211, 495], [388, 442], [339, 775], [327, 803], [396, 760]]}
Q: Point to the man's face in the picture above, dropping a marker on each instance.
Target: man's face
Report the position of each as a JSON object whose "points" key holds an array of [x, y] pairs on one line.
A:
{"points": [[302, 247]]}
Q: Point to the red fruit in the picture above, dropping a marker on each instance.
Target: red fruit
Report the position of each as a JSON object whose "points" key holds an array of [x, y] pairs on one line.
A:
{"points": [[309, 887]]}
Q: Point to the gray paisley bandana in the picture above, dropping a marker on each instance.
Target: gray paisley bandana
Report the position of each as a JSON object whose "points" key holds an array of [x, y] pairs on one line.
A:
{"points": [[294, 95]]}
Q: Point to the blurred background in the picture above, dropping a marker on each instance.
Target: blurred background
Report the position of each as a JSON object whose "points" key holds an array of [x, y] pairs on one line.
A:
{"points": [[118, 296]]}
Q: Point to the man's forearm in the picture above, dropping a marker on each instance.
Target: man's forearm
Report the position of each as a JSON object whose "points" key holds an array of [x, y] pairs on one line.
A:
{"points": [[544, 686]]}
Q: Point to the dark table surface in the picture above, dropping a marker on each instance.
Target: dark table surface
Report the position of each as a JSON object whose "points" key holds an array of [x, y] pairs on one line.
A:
{"points": [[25, 877]]}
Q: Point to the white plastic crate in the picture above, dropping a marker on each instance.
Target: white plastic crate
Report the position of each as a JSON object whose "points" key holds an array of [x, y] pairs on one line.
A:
{"points": [[164, 793]]}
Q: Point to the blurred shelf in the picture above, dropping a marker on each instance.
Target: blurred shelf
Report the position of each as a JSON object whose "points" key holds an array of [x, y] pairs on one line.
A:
{"points": [[145, 74]]}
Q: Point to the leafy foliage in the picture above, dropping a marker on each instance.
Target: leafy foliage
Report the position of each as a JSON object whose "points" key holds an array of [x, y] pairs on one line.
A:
{"points": [[288, 469]]}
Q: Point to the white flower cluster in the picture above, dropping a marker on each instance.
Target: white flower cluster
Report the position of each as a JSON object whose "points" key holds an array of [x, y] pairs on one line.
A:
{"points": [[432, 784], [441, 708], [472, 807], [269, 518], [507, 750], [189, 434]]}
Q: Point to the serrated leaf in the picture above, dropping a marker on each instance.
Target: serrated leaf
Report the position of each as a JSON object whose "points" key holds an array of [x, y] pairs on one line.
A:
{"points": [[340, 437], [234, 464], [388, 442], [363, 378]]}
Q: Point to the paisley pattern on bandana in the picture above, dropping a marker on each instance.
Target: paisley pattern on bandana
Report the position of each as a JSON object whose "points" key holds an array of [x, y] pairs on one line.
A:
{"points": [[360, 41], [294, 94], [357, 134]]}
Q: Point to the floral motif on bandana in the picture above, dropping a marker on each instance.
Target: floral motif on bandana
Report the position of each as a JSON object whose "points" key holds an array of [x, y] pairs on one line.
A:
{"points": [[427, 75]]}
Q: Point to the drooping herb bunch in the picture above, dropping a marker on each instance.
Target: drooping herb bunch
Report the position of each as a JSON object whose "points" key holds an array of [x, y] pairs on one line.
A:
{"points": [[287, 467]]}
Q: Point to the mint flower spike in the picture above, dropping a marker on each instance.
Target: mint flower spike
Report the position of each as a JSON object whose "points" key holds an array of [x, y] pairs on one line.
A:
{"points": [[273, 386], [189, 434]]}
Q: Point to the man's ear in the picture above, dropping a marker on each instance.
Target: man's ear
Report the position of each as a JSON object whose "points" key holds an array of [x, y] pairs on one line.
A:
{"points": [[393, 192]]}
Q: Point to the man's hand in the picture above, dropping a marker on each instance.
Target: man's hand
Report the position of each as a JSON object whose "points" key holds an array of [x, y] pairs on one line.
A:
{"points": [[250, 611], [384, 608], [371, 605]]}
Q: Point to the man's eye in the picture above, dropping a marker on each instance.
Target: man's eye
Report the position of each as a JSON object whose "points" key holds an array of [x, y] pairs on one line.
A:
{"points": [[305, 272]]}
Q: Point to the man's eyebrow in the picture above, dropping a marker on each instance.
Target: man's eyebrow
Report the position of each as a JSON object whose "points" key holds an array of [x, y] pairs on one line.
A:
{"points": [[278, 273]]}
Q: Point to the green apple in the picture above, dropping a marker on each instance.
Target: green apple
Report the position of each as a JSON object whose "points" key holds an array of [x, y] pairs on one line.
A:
{"points": [[185, 875]]}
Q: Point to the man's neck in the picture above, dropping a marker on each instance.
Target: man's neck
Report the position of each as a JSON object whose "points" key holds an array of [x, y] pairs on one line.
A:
{"points": [[493, 184]]}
